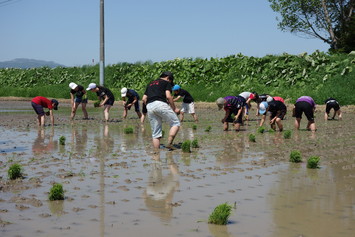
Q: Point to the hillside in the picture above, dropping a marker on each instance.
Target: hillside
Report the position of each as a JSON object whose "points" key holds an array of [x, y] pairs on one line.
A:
{"points": [[24, 63]]}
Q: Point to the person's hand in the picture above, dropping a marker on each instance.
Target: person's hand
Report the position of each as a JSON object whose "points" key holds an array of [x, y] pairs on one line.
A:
{"points": [[177, 111], [223, 121]]}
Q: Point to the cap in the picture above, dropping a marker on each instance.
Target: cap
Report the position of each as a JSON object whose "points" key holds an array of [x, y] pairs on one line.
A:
{"points": [[269, 99], [91, 86], [262, 107], [168, 74], [124, 92], [176, 87], [55, 102], [220, 103], [72, 85]]}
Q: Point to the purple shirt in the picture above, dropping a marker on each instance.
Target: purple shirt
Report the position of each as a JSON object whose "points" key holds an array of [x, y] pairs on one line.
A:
{"points": [[307, 99]]}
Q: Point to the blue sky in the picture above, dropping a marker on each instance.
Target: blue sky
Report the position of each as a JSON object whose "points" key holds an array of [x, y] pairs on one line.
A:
{"points": [[67, 31]]}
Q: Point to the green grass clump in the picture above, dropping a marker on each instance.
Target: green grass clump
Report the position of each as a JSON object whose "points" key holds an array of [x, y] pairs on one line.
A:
{"points": [[312, 162], [194, 126], [252, 137], [15, 171], [128, 130], [287, 134], [208, 129], [261, 129], [56, 192], [97, 104], [194, 143], [295, 156], [186, 146], [62, 140], [220, 214]]}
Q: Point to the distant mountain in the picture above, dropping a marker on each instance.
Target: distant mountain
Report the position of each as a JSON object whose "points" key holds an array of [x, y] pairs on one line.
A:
{"points": [[28, 63]]}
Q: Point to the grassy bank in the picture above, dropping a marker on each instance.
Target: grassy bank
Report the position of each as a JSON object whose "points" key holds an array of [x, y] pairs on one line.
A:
{"points": [[318, 75]]}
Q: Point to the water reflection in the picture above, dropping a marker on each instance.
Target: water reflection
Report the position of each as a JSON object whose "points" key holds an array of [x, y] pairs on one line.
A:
{"points": [[44, 143], [79, 139], [219, 230], [56, 207], [161, 187]]}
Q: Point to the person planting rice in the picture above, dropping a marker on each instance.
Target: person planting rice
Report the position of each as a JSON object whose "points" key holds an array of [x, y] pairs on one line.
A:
{"points": [[78, 96], [278, 111], [38, 103], [188, 105], [105, 96], [332, 103], [132, 99], [233, 107], [248, 96], [306, 105], [160, 106]]}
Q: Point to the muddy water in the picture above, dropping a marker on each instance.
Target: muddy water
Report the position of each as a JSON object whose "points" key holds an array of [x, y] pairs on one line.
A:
{"points": [[115, 185]]}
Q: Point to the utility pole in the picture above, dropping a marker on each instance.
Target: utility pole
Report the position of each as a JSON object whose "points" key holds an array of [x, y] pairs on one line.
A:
{"points": [[102, 44]]}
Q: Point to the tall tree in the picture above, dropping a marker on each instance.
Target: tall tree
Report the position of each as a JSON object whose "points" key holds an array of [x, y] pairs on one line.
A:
{"points": [[328, 20]]}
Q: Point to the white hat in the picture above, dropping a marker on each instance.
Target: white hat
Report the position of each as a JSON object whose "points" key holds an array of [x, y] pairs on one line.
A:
{"points": [[269, 99], [124, 92], [262, 107], [72, 85], [91, 86], [220, 103]]}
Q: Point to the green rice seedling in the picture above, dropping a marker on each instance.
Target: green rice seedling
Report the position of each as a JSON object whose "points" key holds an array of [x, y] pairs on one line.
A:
{"points": [[252, 137], [208, 129], [295, 156], [194, 126], [220, 214], [312, 162], [287, 134], [162, 133], [128, 130], [186, 146], [97, 104], [194, 143], [261, 129], [15, 171], [56, 192], [62, 140]]}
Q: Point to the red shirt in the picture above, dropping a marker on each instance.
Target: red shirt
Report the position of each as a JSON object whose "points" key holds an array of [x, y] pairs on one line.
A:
{"points": [[40, 100], [277, 98]]}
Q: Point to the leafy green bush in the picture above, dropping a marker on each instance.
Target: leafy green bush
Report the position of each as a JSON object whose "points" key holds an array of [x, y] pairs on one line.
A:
{"points": [[312, 162], [261, 129], [128, 130], [252, 137], [56, 192], [186, 146], [15, 171], [287, 134], [220, 214], [194, 143], [295, 156], [62, 140]]}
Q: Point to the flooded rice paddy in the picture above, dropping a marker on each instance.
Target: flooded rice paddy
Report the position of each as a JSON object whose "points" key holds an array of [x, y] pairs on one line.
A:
{"points": [[115, 185]]}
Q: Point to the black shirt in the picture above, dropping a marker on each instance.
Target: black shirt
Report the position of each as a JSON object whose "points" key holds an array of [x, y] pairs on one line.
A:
{"points": [[104, 91], [156, 90], [276, 105], [186, 95], [78, 93]]}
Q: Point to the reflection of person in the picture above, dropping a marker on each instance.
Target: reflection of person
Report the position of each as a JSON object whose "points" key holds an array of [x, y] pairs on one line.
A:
{"points": [[332, 103], [160, 106], [132, 99], [38, 103], [40, 145], [233, 107], [106, 97], [78, 96], [278, 111], [160, 189], [188, 105], [306, 105]]}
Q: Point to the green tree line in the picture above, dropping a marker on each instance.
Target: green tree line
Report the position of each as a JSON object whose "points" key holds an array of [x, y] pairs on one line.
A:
{"points": [[319, 75]]}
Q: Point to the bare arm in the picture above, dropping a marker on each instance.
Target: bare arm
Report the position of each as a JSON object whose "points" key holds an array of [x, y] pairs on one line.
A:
{"points": [[177, 98], [170, 100], [52, 116]]}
